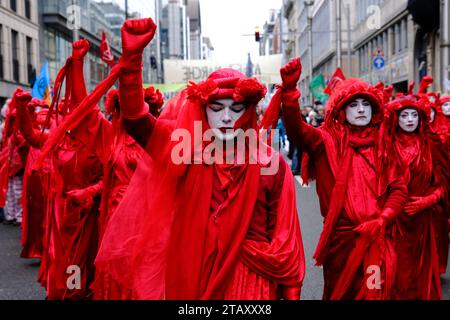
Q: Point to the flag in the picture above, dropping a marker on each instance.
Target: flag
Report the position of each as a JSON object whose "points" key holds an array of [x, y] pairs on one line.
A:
{"points": [[41, 89], [317, 88], [337, 77], [105, 52]]}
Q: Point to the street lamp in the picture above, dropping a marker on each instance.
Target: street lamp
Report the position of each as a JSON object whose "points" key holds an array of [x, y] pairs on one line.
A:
{"points": [[309, 4]]}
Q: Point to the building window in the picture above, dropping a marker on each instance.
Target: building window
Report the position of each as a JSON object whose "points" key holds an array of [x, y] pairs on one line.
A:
{"points": [[31, 72], [13, 5], [15, 54], [1, 51], [404, 32], [28, 9]]}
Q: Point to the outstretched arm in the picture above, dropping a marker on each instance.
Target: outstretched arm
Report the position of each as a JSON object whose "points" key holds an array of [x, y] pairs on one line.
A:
{"points": [[79, 50], [136, 35], [303, 135], [25, 122]]}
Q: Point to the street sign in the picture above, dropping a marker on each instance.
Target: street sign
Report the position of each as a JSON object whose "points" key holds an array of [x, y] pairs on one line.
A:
{"points": [[378, 62]]}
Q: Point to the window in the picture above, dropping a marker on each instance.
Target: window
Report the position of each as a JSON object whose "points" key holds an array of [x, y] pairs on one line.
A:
{"points": [[1, 51], [28, 9], [13, 5], [15, 54], [404, 27], [31, 72]]}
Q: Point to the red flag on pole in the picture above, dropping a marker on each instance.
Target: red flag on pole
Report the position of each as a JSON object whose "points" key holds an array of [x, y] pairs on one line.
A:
{"points": [[105, 52], [337, 77]]}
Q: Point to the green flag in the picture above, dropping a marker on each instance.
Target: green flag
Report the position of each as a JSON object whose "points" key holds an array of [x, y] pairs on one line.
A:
{"points": [[317, 86]]}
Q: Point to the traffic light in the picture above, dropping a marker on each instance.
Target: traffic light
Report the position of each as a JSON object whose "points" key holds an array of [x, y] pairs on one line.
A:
{"points": [[257, 34]]}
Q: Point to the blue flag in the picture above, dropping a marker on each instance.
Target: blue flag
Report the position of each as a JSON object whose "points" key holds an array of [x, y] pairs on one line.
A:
{"points": [[41, 88]]}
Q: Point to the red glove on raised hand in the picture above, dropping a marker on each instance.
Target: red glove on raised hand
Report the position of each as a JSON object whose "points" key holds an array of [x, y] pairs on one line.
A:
{"points": [[290, 74], [136, 35], [22, 99], [417, 204], [79, 49]]}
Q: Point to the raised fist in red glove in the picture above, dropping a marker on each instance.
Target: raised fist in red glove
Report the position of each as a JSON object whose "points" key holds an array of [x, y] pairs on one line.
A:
{"points": [[79, 49], [136, 35], [290, 74], [23, 98]]}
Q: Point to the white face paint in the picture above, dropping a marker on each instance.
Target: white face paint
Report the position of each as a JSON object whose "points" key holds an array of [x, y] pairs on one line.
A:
{"points": [[222, 116], [432, 115], [446, 109], [408, 120], [359, 113]]}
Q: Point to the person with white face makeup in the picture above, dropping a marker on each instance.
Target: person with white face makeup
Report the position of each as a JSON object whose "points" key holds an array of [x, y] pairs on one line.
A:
{"points": [[417, 246], [408, 120], [234, 230], [360, 192]]}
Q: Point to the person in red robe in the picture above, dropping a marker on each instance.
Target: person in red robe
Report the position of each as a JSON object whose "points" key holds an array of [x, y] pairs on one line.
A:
{"points": [[200, 229], [361, 190], [120, 155], [36, 184], [418, 269], [71, 238], [14, 156]]}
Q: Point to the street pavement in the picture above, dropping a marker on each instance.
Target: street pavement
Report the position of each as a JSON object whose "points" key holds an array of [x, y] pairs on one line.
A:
{"points": [[18, 276]]}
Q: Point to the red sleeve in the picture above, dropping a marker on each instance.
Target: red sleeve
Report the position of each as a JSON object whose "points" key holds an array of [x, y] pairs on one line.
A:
{"points": [[397, 196], [274, 199], [303, 135], [34, 137], [79, 90], [140, 129]]}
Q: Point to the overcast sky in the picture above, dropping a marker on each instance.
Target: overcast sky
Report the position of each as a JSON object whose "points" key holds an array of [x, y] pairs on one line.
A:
{"points": [[226, 22]]}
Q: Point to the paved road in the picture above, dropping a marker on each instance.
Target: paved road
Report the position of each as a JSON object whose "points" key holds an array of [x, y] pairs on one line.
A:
{"points": [[18, 276]]}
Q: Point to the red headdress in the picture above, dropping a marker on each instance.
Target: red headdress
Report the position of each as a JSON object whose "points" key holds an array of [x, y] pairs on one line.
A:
{"points": [[155, 100]]}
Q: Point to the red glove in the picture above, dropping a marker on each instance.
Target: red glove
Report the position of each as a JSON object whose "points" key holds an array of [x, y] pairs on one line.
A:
{"points": [[79, 49], [290, 74], [85, 197], [136, 35], [372, 229], [417, 204]]}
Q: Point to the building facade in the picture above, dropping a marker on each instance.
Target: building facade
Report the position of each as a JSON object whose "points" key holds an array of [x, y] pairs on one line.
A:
{"points": [[19, 45]]}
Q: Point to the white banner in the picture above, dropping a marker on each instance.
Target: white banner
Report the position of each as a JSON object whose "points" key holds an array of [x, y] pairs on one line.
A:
{"points": [[266, 69]]}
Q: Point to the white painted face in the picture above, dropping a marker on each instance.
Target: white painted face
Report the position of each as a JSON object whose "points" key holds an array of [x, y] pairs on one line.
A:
{"points": [[359, 112], [446, 109], [432, 115], [408, 120], [222, 116]]}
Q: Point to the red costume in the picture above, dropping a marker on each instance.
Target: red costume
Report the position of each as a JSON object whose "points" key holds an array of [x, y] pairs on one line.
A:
{"points": [[120, 155], [360, 189], [418, 275], [13, 161], [71, 239], [198, 231], [36, 184]]}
